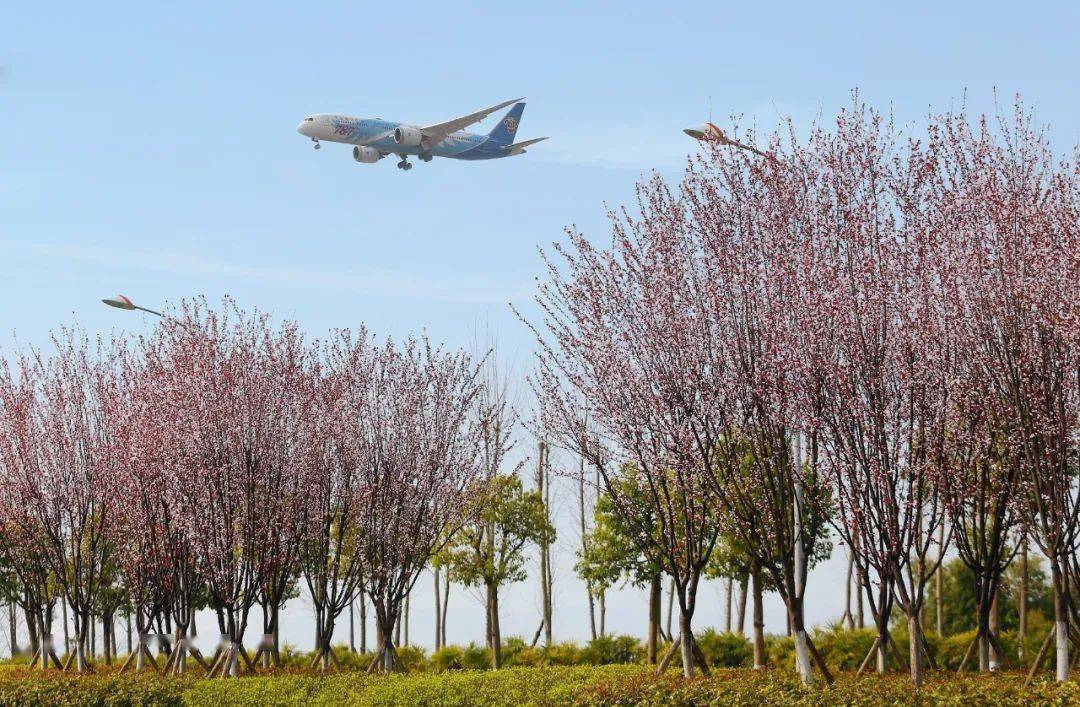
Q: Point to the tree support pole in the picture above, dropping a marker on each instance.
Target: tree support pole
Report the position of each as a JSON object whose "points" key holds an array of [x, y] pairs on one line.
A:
{"points": [[247, 659], [869, 656], [967, 654], [127, 662], [699, 658], [1040, 655], [896, 654], [926, 651], [668, 655], [818, 660]]}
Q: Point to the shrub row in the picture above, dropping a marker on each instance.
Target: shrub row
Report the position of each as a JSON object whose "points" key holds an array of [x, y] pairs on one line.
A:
{"points": [[842, 650], [772, 687], [593, 686]]}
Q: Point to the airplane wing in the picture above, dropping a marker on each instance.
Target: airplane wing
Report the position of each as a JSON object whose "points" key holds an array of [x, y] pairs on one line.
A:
{"points": [[435, 133], [518, 147]]}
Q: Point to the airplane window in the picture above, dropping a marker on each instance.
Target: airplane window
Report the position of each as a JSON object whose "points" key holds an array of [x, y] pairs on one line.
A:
{"points": [[309, 120]]}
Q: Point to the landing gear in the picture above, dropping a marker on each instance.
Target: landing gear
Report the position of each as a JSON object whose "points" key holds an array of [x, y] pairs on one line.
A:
{"points": [[404, 164], [425, 156], [316, 141]]}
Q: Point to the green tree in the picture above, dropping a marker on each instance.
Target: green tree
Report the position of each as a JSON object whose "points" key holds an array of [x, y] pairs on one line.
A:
{"points": [[615, 555], [958, 595], [489, 552]]}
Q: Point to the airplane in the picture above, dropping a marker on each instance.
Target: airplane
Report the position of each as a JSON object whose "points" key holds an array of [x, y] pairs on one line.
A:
{"points": [[708, 132], [375, 138]]}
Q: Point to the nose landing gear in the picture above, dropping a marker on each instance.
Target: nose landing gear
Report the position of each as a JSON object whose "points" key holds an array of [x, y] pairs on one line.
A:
{"points": [[316, 141]]}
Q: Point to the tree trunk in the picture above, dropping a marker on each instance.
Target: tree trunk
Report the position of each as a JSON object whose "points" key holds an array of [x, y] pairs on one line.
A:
{"points": [[982, 623], [140, 652], [45, 637], [654, 619], [277, 634], [860, 618], [541, 488], [759, 618], [585, 544], [916, 648], [363, 623], [438, 611], [127, 620], [352, 628], [387, 650], [802, 649], [1061, 621], [993, 626], [740, 605], [939, 601], [322, 643], [603, 613], [105, 656], [32, 633], [64, 618], [1023, 599], [803, 667], [386, 623], [266, 643], [686, 644], [488, 633], [729, 605], [496, 635], [405, 620], [847, 618], [670, 604], [13, 639], [445, 605], [548, 610], [883, 642], [82, 633]]}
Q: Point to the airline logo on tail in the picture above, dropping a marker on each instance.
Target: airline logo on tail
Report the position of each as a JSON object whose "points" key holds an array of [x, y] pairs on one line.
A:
{"points": [[511, 123]]}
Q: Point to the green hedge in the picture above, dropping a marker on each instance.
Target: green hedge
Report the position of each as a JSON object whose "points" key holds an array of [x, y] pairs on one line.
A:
{"points": [[842, 650], [595, 686], [749, 687]]}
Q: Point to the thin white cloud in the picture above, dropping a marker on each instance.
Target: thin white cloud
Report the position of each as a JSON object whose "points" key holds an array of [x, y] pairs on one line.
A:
{"points": [[665, 155], [465, 289]]}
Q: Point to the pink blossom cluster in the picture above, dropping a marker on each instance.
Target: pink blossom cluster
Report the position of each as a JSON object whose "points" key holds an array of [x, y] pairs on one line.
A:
{"points": [[222, 457], [902, 311]]}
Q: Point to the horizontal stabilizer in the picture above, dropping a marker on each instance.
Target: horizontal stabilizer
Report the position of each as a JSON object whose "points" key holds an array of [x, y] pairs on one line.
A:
{"points": [[518, 147]]}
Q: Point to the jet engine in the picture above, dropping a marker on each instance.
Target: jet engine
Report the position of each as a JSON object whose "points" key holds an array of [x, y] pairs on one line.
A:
{"points": [[366, 155], [407, 135]]}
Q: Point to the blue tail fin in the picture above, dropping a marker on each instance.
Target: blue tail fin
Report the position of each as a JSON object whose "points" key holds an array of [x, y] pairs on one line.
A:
{"points": [[504, 132]]}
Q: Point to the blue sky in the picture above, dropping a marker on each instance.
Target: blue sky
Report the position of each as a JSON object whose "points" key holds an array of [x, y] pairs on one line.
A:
{"points": [[150, 148]]}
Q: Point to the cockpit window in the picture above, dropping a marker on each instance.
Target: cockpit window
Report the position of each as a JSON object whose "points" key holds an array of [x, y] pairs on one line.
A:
{"points": [[309, 120]]}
